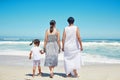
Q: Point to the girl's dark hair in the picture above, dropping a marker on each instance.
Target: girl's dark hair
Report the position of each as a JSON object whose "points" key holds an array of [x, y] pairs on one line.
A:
{"points": [[70, 20], [36, 42], [52, 24]]}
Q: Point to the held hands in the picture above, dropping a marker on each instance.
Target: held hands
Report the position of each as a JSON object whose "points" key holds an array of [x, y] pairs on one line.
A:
{"points": [[42, 52]]}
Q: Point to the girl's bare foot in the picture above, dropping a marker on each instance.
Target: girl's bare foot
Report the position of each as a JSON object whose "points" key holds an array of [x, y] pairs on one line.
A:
{"points": [[33, 75], [39, 74]]}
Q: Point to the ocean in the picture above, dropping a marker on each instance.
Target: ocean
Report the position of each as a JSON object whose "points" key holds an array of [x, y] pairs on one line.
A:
{"points": [[96, 51]]}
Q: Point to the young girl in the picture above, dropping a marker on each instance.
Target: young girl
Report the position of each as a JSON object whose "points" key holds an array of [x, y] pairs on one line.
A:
{"points": [[36, 50]]}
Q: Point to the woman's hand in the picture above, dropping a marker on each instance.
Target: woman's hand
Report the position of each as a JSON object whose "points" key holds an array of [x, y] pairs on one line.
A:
{"points": [[81, 49], [59, 50], [62, 49], [44, 50], [29, 57]]}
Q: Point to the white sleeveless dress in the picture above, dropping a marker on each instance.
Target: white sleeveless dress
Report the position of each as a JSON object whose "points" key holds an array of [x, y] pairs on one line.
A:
{"points": [[72, 57]]}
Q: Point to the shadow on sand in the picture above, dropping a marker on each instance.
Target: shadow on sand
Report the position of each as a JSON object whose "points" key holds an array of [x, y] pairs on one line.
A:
{"points": [[47, 74]]}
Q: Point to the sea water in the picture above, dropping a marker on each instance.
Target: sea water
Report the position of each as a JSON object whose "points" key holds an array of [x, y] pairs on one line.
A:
{"points": [[94, 50]]}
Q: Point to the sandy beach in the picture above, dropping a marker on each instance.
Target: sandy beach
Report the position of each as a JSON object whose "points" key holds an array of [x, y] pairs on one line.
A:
{"points": [[12, 69], [101, 72], [88, 27]]}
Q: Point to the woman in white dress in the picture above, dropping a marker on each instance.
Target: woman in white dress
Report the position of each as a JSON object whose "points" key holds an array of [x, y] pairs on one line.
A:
{"points": [[72, 47]]}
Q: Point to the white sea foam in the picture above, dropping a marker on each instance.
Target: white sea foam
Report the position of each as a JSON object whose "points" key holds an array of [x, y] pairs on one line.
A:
{"points": [[15, 42], [98, 59], [101, 43], [84, 43], [18, 53], [86, 58]]}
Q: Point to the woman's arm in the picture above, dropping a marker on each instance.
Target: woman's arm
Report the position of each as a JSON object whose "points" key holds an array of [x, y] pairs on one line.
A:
{"points": [[45, 40], [79, 39], [63, 40], [58, 40]]}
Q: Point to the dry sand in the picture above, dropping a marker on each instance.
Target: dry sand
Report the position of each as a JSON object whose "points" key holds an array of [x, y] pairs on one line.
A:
{"points": [[89, 72]]}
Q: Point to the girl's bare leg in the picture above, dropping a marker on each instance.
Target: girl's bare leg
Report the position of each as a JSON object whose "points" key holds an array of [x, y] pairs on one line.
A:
{"points": [[34, 68], [39, 70]]}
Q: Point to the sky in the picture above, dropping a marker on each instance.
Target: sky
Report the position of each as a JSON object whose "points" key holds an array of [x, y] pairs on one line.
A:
{"points": [[30, 18]]}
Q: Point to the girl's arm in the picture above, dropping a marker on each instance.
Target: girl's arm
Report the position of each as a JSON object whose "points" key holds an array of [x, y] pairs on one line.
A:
{"points": [[45, 41], [30, 54], [63, 40], [79, 39]]}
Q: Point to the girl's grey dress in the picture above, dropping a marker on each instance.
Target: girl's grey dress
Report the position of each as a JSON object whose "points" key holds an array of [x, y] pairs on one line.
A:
{"points": [[52, 50]]}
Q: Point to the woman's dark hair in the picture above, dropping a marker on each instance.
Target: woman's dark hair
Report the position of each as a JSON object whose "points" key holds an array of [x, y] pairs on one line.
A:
{"points": [[70, 20], [52, 24], [36, 42]]}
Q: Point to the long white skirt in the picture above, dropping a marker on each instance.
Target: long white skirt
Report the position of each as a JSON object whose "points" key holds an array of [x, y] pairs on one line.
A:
{"points": [[72, 60]]}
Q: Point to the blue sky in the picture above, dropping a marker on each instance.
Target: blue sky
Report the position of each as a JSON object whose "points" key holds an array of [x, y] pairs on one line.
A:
{"points": [[30, 18]]}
